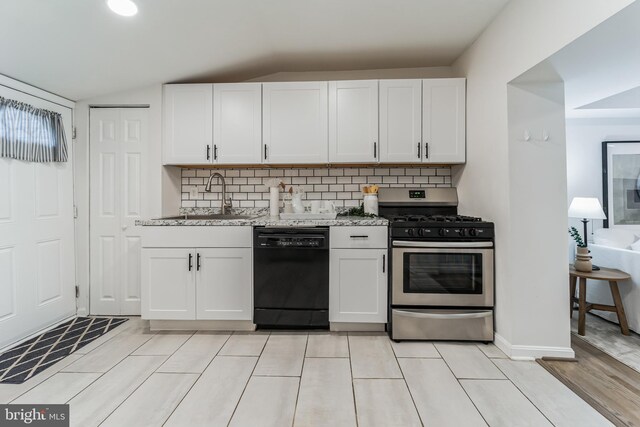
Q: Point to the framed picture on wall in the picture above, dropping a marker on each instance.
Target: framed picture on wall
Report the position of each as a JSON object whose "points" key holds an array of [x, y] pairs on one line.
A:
{"points": [[621, 183]]}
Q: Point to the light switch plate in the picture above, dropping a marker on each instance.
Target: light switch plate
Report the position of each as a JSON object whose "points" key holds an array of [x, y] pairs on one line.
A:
{"points": [[193, 192]]}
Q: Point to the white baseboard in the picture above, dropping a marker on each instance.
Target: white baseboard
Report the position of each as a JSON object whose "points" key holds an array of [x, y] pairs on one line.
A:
{"points": [[356, 327], [530, 352], [203, 325]]}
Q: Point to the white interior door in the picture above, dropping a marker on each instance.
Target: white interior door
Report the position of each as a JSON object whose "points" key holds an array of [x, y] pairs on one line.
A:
{"points": [[37, 254], [118, 141]]}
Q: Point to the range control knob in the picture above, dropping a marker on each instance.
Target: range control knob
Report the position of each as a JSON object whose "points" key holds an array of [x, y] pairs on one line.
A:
{"points": [[461, 232], [443, 232], [472, 232], [421, 232], [410, 232]]}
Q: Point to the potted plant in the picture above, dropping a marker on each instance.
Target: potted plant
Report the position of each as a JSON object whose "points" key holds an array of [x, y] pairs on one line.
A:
{"points": [[583, 259]]}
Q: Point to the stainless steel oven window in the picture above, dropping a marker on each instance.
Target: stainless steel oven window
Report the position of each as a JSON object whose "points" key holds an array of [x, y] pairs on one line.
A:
{"points": [[483, 271], [442, 273]]}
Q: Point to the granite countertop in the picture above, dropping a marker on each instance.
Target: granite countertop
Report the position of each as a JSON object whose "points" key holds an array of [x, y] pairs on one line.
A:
{"points": [[266, 220]]}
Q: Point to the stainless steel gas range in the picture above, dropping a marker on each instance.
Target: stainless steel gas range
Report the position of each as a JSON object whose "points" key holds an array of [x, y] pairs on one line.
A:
{"points": [[441, 281]]}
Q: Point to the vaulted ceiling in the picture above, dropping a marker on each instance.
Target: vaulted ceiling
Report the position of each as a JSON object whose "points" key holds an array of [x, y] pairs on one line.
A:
{"points": [[80, 49]]}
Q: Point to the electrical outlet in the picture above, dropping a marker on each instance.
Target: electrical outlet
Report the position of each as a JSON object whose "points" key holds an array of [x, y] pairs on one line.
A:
{"points": [[193, 193]]}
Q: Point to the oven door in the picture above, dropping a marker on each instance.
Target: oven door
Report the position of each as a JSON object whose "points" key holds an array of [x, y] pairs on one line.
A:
{"points": [[452, 274]]}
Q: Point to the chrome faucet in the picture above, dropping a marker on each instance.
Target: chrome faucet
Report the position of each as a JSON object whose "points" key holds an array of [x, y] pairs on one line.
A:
{"points": [[224, 205]]}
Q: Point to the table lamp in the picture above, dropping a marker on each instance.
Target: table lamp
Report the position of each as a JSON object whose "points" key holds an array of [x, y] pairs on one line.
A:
{"points": [[586, 208]]}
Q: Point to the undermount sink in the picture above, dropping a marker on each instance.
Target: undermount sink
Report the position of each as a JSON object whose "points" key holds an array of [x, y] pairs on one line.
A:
{"points": [[210, 217]]}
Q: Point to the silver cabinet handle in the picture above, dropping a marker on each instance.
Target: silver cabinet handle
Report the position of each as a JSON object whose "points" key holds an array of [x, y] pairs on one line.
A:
{"points": [[423, 315], [426, 150], [384, 262], [419, 145], [359, 237]]}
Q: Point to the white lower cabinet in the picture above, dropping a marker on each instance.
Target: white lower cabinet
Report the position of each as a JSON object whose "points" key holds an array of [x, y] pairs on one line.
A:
{"points": [[223, 284], [168, 284], [358, 286], [184, 280]]}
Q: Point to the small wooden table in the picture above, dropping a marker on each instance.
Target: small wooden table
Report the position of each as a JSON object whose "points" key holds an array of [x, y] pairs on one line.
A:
{"points": [[608, 274]]}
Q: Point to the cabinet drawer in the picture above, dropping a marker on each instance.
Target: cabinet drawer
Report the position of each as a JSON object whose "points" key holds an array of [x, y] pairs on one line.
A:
{"points": [[186, 236], [370, 237]]}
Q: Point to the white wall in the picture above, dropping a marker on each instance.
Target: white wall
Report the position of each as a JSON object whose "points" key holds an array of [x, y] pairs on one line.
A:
{"points": [[160, 178], [524, 34], [584, 155]]}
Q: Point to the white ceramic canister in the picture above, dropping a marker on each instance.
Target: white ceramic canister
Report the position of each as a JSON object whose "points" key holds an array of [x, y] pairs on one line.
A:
{"points": [[274, 202], [371, 204]]}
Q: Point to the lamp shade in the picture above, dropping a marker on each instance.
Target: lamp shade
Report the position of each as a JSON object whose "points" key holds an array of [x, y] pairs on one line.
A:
{"points": [[586, 207]]}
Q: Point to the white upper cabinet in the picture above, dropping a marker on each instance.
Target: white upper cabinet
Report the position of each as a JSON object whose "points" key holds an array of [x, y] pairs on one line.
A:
{"points": [[187, 124], [443, 120], [401, 121], [237, 123], [294, 123], [353, 121]]}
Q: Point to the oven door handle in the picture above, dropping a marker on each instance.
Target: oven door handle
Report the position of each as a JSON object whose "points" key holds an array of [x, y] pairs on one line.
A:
{"points": [[423, 315], [404, 243]]}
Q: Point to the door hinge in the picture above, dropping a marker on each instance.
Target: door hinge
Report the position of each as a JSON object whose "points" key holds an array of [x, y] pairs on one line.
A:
{"points": [[74, 133], [75, 212], [77, 291]]}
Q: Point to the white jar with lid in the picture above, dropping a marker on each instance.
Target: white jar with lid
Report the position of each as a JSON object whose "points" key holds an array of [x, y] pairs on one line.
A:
{"points": [[371, 204]]}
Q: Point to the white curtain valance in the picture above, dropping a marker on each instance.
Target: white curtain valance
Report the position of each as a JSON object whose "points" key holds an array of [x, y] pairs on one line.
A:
{"points": [[31, 134]]}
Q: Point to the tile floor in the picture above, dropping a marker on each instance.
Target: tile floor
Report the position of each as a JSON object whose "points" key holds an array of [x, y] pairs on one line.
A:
{"points": [[607, 337], [133, 377]]}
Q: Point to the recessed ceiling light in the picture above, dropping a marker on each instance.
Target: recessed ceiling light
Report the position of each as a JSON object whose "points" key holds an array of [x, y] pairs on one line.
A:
{"points": [[123, 7]]}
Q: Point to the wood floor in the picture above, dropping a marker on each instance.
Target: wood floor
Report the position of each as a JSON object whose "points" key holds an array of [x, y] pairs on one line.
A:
{"points": [[606, 336], [608, 385], [133, 377]]}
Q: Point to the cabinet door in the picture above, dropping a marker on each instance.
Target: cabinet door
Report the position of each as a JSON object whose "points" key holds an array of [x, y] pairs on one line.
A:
{"points": [[237, 123], [358, 286], [294, 122], [401, 121], [443, 120], [168, 284], [188, 124], [224, 284], [353, 121]]}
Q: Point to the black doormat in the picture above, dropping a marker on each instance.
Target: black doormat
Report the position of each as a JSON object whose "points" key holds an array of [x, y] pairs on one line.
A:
{"points": [[35, 355]]}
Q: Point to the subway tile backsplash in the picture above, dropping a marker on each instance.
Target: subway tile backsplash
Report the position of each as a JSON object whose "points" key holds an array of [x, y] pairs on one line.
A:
{"points": [[247, 188]]}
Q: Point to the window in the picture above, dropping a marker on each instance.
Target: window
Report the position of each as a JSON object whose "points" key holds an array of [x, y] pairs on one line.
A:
{"points": [[31, 134]]}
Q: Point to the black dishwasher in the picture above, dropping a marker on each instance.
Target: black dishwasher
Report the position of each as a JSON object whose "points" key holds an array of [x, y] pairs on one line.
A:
{"points": [[291, 277]]}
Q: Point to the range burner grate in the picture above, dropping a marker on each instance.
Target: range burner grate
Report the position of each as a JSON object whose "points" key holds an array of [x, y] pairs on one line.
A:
{"points": [[435, 218]]}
